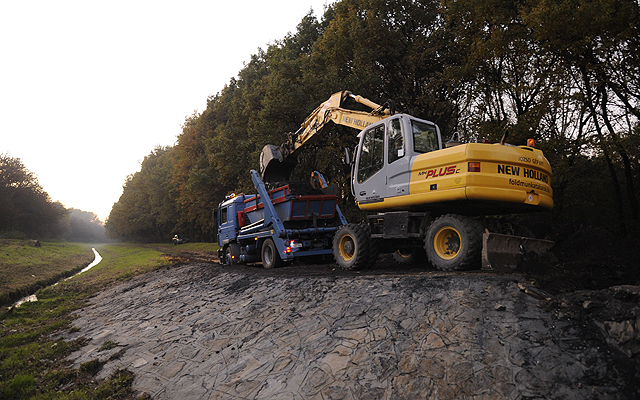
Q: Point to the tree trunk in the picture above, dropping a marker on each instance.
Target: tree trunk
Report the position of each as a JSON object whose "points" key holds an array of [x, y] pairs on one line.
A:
{"points": [[612, 171], [633, 201]]}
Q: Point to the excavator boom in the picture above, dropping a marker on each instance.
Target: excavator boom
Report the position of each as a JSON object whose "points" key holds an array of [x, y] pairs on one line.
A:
{"points": [[277, 162]]}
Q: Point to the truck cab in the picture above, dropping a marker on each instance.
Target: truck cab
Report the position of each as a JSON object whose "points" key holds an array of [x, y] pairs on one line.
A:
{"points": [[227, 217]]}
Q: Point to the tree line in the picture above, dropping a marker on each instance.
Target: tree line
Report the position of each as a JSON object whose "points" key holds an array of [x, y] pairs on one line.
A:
{"points": [[564, 72], [27, 211]]}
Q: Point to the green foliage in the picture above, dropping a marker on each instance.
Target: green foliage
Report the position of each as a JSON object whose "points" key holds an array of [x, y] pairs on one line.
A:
{"points": [[21, 386], [91, 367], [27, 210], [146, 210], [108, 345], [483, 68]]}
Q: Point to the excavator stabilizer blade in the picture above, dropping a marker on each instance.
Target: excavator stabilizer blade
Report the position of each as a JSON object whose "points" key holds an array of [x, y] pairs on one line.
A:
{"points": [[272, 166], [509, 253]]}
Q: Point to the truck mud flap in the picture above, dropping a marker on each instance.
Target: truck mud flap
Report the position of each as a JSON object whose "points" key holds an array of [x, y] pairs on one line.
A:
{"points": [[510, 253]]}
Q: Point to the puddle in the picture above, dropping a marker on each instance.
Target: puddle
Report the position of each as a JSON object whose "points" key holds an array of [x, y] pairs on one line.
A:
{"points": [[33, 297]]}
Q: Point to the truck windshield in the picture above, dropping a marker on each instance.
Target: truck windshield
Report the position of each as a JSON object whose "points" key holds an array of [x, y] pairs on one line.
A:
{"points": [[425, 137]]}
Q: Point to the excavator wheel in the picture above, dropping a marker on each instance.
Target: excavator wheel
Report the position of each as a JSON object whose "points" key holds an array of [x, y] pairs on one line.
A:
{"points": [[231, 254], [454, 243], [351, 246], [270, 256], [374, 246]]}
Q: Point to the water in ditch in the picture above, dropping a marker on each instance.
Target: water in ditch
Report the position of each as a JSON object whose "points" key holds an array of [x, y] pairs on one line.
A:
{"points": [[33, 297]]}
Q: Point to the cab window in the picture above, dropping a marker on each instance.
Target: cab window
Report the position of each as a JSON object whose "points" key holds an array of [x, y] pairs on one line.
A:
{"points": [[425, 137], [395, 143], [372, 153], [223, 215]]}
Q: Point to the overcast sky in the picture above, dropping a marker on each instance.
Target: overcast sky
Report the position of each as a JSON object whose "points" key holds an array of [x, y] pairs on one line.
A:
{"points": [[88, 88]]}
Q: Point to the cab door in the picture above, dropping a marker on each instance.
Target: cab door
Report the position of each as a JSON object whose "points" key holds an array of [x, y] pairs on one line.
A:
{"points": [[369, 180], [397, 158], [226, 224]]}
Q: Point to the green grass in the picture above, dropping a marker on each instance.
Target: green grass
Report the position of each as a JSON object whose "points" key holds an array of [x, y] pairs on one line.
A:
{"points": [[121, 262], [32, 362], [24, 269]]}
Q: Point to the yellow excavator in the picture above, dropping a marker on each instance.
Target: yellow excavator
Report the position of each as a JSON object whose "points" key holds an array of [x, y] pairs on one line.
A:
{"points": [[423, 195]]}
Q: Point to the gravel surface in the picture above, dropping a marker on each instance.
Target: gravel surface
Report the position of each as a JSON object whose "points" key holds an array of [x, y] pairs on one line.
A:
{"points": [[202, 330]]}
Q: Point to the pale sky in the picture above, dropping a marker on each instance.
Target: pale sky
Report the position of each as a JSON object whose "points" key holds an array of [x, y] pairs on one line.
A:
{"points": [[88, 88]]}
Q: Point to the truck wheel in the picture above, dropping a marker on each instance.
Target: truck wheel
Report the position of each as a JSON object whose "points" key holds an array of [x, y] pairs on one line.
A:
{"points": [[270, 256], [454, 243], [351, 246], [408, 256], [231, 254]]}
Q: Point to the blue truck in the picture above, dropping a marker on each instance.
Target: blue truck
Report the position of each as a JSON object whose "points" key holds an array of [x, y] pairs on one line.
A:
{"points": [[279, 225]]}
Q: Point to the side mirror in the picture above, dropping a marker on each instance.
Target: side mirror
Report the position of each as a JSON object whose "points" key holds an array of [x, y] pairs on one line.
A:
{"points": [[347, 157]]}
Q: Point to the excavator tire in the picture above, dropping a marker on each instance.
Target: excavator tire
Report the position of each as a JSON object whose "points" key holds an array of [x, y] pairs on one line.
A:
{"points": [[351, 246], [454, 243], [270, 256], [374, 246]]}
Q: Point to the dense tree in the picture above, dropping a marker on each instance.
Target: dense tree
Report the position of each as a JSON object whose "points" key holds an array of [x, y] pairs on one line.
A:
{"points": [[480, 67], [84, 226], [26, 209], [146, 210], [387, 50], [573, 85], [599, 51]]}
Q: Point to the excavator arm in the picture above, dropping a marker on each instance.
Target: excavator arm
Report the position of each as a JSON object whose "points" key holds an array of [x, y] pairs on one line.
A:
{"points": [[277, 162]]}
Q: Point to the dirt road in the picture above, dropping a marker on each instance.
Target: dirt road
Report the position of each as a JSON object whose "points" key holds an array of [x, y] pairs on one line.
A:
{"points": [[201, 330]]}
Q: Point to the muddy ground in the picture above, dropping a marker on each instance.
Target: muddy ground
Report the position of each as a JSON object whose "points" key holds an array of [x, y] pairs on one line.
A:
{"points": [[199, 330]]}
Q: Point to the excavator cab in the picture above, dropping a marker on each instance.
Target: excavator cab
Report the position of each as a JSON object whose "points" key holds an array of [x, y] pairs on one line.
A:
{"points": [[385, 153]]}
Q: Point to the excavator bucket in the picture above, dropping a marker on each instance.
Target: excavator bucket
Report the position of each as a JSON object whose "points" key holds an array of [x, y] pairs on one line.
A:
{"points": [[509, 253], [272, 166]]}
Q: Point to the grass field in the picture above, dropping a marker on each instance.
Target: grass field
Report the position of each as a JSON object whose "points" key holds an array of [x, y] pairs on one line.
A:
{"points": [[32, 362], [24, 269]]}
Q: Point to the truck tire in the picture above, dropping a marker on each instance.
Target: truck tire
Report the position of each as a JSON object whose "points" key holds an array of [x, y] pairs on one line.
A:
{"points": [[270, 256], [231, 254], [454, 243], [351, 246]]}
